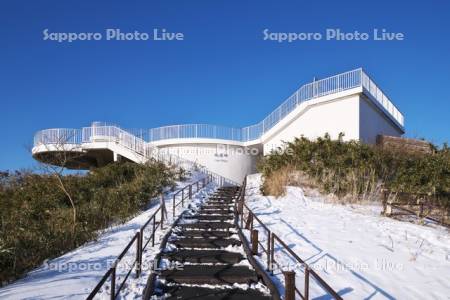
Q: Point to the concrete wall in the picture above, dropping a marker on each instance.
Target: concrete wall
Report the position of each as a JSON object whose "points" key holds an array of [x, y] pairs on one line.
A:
{"points": [[331, 116], [230, 161], [374, 122]]}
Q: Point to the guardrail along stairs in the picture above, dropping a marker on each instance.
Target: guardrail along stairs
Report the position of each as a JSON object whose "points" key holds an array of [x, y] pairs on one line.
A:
{"points": [[204, 257]]}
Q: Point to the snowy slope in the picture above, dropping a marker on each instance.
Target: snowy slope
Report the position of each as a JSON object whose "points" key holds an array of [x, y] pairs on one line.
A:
{"points": [[361, 254], [75, 274]]}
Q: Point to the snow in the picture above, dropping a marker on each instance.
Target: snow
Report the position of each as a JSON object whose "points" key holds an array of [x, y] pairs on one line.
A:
{"points": [[75, 274], [359, 253]]}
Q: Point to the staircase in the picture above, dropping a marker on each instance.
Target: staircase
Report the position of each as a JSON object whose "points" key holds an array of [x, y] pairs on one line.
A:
{"points": [[204, 257]]}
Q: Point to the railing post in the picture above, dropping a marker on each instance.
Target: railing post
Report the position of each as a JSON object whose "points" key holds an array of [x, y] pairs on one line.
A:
{"points": [[268, 251], [173, 207], [420, 212], [162, 211], [113, 282], [182, 197], [272, 253], [289, 288], [306, 282], [240, 206], [190, 191], [254, 238], [249, 222], [138, 253], [153, 231], [197, 186]]}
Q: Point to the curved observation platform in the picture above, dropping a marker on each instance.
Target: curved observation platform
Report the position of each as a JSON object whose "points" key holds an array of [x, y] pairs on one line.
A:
{"points": [[350, 103]]}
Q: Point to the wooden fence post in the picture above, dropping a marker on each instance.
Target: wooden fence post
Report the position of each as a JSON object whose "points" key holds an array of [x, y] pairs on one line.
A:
{"points": [[249, 223], [173, 206], [162, 205], [254, 238], [113, 282], [268, 251], [153, 231], [306, 282], [289, 288], [138, 254], [420, 212], [272, 252]]}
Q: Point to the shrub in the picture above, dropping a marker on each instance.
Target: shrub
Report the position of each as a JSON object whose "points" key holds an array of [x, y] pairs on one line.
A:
{"points": [[36, 218], [361, 170]]}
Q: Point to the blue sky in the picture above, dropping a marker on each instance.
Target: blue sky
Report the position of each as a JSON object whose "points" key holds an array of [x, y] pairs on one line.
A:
{"points": [[222, 73]]}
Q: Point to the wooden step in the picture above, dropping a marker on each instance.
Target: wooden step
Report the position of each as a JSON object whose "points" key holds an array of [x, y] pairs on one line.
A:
{"points": [[216, 211], [205, 234], [221, 198], [213, 202], [211, 243], [218, 206], [202, 293], [210, 274], [210, 217], [204, 256], [207, 225]]}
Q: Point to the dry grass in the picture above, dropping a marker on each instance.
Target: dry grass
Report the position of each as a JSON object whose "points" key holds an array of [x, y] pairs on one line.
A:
{"points": [[275, 184]]}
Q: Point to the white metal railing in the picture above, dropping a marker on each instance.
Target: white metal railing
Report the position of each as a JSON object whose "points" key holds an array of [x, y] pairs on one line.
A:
{"points": [[136, 140], [338, 83], [370, 87], [110, 133], [58, 136]]}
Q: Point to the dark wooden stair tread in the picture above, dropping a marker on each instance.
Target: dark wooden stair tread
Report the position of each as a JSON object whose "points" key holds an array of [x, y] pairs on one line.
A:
{"points": [[205, 234], [215, 206], [202, 293], [207, 225], [225, 212], [210, 274], [205, 242], [204, 256], [210, 217]]}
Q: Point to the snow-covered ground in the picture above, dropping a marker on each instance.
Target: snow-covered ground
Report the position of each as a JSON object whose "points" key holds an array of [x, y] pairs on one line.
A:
{"points": [[75, 274], [359, 253]]}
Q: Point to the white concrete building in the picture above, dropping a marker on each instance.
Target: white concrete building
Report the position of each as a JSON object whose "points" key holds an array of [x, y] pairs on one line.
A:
{"points": [[350, 103]]}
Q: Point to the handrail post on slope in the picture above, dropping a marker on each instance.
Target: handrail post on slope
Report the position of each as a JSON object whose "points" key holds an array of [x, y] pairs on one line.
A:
{"points": [[153, 231], [269, 249], [272, 253], [173, 207], [113, 282], [289, 281], [138, 253], [254, 238], [190, 191], [182, 197], [306, 297], [162, 211]]}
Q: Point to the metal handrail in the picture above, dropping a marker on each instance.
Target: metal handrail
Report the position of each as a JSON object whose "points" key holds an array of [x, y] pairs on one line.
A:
{"points": [[138, 239], [247, 220]]}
